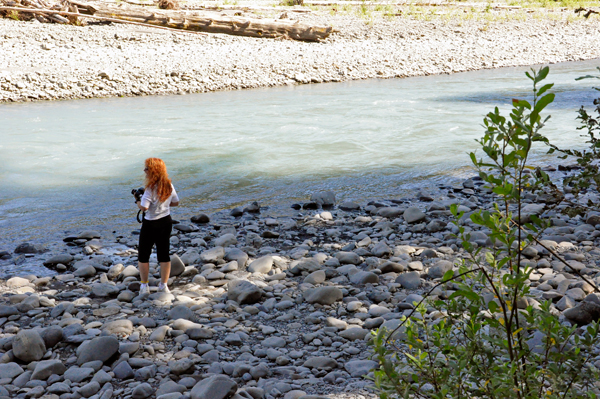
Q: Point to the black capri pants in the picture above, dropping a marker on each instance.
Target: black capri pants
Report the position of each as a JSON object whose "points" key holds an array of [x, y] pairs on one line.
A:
{"points": [[155, 232]]}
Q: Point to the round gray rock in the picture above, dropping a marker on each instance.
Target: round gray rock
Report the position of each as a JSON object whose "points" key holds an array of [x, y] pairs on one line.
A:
{"points": [[28, 346], [215, 387], [100, 348]]}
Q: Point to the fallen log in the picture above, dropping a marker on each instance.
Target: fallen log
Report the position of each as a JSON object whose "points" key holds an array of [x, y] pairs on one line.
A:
{"points": [[211, 23], [45, 12]]}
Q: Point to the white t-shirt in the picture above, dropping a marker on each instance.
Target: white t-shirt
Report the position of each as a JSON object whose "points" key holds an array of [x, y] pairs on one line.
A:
{"points": [[156, 209]]}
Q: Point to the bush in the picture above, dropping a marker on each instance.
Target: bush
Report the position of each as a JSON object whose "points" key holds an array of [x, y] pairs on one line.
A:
{"points": [[489, 339]]}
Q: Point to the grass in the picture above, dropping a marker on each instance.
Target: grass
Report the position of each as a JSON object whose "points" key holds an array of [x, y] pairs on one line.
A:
{"points": [[481, 10]]}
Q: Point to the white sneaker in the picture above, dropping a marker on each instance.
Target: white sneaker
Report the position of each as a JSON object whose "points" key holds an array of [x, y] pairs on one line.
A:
{"points": [[163, 288], [144, 290]]}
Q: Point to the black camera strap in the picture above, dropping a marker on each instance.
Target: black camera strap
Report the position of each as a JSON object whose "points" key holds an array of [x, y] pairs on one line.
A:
{"points": [[138, 216]]}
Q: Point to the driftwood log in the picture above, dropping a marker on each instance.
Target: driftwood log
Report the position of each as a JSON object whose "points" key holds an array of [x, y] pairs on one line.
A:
{"points": [[207, 22]]}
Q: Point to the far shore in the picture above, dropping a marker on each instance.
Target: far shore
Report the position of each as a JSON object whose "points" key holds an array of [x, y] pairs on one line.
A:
{"points": [[57, 62]]}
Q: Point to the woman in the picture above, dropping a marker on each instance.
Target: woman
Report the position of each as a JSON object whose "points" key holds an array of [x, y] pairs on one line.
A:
{"points": [[159, 196]]}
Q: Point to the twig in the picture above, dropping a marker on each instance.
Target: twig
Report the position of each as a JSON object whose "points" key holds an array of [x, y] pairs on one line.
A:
{"points": [[43, 11], [422, 300], [594, 286]]}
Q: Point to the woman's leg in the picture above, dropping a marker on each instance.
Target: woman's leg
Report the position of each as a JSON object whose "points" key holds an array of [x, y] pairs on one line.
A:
{"points": [[162, 249], [144, 268], [144, 250], [165, 272]]}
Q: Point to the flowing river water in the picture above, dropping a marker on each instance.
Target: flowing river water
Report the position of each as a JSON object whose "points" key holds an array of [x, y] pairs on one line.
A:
{"points": [[69, 166]]}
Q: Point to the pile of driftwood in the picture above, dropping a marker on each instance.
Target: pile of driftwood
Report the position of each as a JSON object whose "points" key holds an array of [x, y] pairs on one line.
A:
{"points": [[75, 12]]}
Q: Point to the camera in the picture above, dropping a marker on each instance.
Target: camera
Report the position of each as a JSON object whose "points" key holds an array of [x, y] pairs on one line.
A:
{"points": [[137, 193]]}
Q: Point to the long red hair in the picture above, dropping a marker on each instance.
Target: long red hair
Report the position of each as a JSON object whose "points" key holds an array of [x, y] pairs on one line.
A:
{"points": [[158, 179]]}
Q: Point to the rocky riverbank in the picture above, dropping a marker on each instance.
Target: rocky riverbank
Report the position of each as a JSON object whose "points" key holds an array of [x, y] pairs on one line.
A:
{"points": [[51, 61], [262, 307]]}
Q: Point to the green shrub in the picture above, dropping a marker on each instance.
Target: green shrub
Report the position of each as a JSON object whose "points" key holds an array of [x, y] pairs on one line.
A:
{"points": [[488, 340]]}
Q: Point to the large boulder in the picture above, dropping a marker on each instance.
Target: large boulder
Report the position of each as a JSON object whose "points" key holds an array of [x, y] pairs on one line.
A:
{"points": [[243, 292], [215, 387], [28, 346]]}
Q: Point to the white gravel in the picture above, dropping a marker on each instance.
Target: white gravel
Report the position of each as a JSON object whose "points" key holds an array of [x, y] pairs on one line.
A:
{"points": [[51, 61]]}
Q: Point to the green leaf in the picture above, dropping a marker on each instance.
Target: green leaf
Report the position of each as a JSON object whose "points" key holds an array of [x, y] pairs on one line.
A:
{"points": [[545, 88], [492, 306], [541, 75], [448, 275], [544, 101]]}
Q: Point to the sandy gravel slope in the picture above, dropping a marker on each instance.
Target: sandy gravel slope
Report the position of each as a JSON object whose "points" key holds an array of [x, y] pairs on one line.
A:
{"points": [[50, 61]]}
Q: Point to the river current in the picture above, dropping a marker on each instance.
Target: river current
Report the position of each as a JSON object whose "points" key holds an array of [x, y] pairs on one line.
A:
{"points": [[69, 166]]}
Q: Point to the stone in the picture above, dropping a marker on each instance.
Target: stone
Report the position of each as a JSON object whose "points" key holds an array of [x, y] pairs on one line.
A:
{"points": [[142, 391], [583, 314], [28, 346], [199, 333], [261, 265], [105, 290], [46, 368], [348, 258], [323, 362], [10, 370], [363, 277], [6, 311], [323, 295], [200, 219], [64, 259], [413, 215], [390, 212], [52, 336], [360, 368], [214, 387], [226, 240], [17, 282], [85, 271], [170, 387], [274, 342], [439, 269], [118, 327], [243, 292], [177, 266], [99, 348], [381, 249], [325, 199], [409, 280], [78, 374], [89, 389], [391, 267], [28, 248], [212, 255], [180, 312], [354, 333], [349, 206], [316, 277], [123, 371]]}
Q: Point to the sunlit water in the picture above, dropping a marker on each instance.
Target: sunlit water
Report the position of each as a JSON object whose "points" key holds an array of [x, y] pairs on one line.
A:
{"points": [[70, 165]]}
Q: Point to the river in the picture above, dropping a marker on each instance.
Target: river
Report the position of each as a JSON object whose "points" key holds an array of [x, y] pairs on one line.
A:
{"points": [[68, 166]]}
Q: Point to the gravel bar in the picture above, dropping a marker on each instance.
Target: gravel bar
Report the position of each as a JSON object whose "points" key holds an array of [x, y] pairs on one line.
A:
{"points": [[52, 61]]}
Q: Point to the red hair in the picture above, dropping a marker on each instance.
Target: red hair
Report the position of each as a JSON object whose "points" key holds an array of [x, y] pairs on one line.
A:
{"points": [[158, 179]]}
